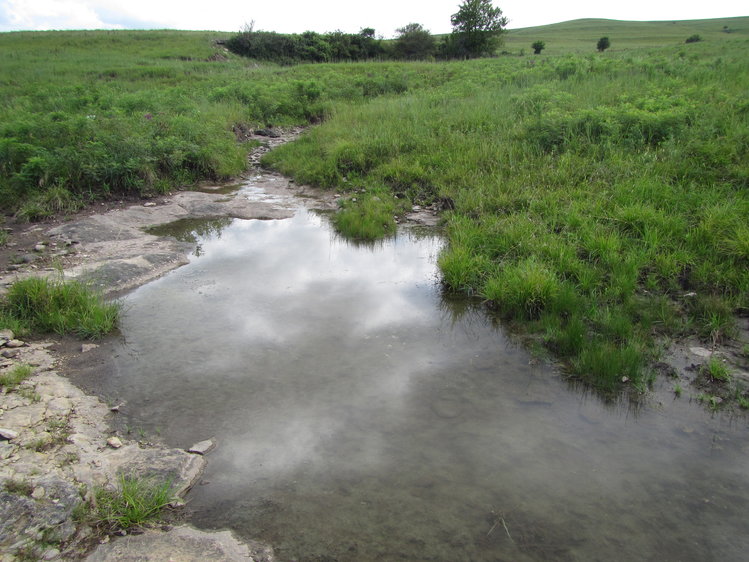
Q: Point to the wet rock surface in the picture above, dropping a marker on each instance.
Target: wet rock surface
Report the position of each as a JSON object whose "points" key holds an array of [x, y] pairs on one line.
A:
{"points": [[54, 455]]}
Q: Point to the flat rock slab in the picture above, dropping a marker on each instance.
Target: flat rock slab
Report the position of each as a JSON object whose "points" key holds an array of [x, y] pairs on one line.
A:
{"points": [[202, 447], [181, 544]]}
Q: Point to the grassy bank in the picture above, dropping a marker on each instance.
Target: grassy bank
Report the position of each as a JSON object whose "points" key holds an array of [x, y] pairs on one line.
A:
{"points": [[600, 202]]}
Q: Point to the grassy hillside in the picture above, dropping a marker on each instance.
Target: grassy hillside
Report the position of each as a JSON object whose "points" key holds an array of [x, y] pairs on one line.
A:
{"points": [[580, 36]]}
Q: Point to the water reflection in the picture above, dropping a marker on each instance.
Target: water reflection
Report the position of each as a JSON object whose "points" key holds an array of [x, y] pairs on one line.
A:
{"points": [[362, 414], [192, 230]]}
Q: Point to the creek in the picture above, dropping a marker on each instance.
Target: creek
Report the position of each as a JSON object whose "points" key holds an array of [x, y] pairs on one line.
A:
{"points": [[362, 414]]}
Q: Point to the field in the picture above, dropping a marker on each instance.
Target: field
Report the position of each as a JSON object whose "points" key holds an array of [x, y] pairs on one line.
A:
{"points": [[596, 201]]}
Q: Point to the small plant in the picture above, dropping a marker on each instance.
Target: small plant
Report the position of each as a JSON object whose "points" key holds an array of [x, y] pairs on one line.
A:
{"points": [[18, 487], [717, 370], [693, 39], [677, 390], [603, 44], [711, 401], [538, 46], [743, 402], [15, 376], [135, 502]]}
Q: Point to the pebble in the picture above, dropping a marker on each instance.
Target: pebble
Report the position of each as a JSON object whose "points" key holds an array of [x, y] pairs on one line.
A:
{"points": [[38, 493], [15, 343], [114, 442], [149, 204]]}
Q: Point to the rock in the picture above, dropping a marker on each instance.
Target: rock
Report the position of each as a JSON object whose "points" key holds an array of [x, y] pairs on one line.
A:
{"points": [[50, 554], [88, 347], [20, 514], [38, 493], [6, 335], [114, 442], [15, 343], [700, 352], [8, 434], [10, 353], [28, 258], [149, 204], [181, 543], [202, 447], [40, 248]]}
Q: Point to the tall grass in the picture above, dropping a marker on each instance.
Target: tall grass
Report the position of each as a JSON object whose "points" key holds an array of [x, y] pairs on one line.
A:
{"points": [[49, 306], [599, 201]]}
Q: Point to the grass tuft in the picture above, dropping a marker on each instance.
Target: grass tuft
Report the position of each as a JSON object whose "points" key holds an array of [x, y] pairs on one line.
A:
{"points": [[134, 503], [369, 217], [45, 306], [10, 380]]}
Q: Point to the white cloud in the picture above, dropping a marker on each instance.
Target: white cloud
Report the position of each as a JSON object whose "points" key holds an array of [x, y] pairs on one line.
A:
{"points": [[50, 14], [293, 16]]}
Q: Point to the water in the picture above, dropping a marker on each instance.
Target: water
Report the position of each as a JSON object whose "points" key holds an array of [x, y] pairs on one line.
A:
{"points": [[362, 415]]}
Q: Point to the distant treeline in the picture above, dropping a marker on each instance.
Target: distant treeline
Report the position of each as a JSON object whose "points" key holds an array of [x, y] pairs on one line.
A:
{"points": [[308, 46]]}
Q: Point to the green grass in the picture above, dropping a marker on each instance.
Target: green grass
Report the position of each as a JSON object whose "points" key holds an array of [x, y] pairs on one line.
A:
{"points": [[48, 306], [597, 201], [367, 217], [580, 36], [134, 503], [717, 370], [15, 376]]}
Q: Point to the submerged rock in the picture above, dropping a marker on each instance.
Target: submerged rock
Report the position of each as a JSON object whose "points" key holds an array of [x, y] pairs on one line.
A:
{"points": [[182, 543]]}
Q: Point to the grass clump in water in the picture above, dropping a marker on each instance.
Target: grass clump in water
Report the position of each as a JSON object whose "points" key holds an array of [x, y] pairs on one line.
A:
{"points": [[48, 306], [369, 217], [134, 503]]}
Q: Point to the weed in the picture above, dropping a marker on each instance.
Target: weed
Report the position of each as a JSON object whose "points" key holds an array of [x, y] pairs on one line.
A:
{"points": [[15, 376], [743, 402], [135, 502], [29, 394], [717, 370], [712, 401], [60, 307], [677, 390], [18, 487]]}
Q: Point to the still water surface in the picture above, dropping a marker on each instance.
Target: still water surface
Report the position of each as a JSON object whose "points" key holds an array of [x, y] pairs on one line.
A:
{"points": [[362, 415]]}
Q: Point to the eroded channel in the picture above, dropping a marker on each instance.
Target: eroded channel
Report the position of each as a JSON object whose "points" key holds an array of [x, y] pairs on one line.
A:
{"points": [[361, 414]]}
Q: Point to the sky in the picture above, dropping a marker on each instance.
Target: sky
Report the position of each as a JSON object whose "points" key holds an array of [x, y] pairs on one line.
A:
{"points": [[295, 16]]}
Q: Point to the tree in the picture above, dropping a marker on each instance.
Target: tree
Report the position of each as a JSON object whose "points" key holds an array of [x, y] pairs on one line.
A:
{"points": [[537, 47], [603, 44], [413, 42], [477, 29]]}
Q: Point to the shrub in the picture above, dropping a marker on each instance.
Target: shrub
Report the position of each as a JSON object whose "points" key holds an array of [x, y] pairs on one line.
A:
{"points": [[603, 44], [538, 46], [693, 39]]}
